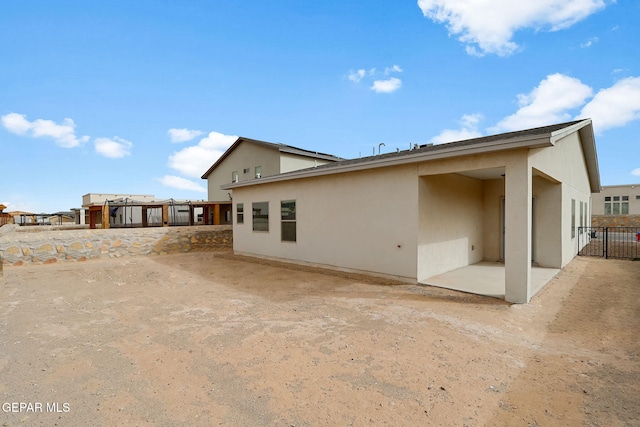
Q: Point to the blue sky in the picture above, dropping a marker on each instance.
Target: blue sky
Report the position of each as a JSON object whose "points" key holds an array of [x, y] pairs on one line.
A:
{"points": [[141, 97]]}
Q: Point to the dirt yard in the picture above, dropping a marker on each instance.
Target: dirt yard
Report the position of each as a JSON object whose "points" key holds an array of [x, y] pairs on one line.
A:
{"points": [[211, 339]]}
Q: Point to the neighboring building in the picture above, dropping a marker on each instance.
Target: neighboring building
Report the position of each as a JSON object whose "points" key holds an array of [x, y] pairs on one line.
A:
{"points": [[251, 159], [616, 206], [517, 197], [5, 218], [81, 215], [143, 210], [617, 200]]}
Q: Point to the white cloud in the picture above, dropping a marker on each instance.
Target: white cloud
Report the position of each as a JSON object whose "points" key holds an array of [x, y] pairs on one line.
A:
{"points": [[589, 42], [181, 183], [113, 148], [488, 26], [356, 76], [63, 134], [394, 69], [386, 86], [548, 103], [468, 130], [615, 106], [19, 206], [183, 134], [635, 172], [16, 123], [195, 160]]}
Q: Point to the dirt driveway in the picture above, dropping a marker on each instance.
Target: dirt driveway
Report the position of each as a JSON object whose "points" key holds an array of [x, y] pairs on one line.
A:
{"points": [[212, 339]]}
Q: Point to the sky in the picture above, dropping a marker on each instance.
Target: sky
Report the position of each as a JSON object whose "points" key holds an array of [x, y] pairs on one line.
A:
{"points": [[141, 97]]}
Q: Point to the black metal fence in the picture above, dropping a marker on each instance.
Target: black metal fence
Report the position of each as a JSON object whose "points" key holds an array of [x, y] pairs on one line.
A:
{"points": [[609, 242]]}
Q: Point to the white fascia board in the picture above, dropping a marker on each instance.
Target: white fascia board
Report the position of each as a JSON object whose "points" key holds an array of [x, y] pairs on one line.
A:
{"points": [[561, 133], [457, 151]]}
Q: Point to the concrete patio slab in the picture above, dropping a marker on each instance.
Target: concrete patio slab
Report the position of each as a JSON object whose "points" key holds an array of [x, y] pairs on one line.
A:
{"points": [[487, 278]]}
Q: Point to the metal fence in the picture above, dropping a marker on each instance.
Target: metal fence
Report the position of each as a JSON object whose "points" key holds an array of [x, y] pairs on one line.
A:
{"points": [[609, 242]]}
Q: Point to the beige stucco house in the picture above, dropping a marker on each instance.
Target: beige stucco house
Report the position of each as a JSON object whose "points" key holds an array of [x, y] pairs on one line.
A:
{"points": [[514, 199], [252, 159], [616, 206], [617, 200]]}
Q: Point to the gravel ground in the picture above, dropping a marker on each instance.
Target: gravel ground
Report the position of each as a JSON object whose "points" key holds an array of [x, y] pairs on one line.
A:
{"points": [[214, 339]]}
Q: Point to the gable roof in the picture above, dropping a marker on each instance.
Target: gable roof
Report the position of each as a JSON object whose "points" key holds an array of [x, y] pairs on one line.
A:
{"points": [[273, 146], [530, 138]]}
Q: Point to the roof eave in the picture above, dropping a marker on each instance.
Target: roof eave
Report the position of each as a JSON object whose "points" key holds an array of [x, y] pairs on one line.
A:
{"points": [[411, 157], [588, 141]]}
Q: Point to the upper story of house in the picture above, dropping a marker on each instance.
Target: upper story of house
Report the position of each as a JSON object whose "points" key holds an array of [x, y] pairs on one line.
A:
{"points": [[252, 159], [617, 200]]}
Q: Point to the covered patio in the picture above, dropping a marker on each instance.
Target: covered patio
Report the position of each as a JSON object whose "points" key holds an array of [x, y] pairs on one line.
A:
{"points": [[487, 278], [489, 225]]}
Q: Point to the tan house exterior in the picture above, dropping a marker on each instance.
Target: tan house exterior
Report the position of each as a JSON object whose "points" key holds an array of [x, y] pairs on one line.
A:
{"points": [[249, 159], [617, 200], [616, 206], [516, 198]]}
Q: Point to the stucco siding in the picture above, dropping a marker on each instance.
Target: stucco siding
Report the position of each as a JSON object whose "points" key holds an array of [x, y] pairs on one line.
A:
{"points": [[632, 192], [565, 163], [451, 223], [547, 223], [361, 221], [493, 194], [245, 156], [291, 162]]}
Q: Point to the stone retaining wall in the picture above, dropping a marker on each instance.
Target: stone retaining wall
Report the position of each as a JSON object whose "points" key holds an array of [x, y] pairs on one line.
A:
{"points": [[24, 245], [615, 220]]}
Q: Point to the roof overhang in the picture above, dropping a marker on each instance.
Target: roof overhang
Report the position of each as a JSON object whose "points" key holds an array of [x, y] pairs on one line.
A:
{"points": [[410, 157], [465, 148], [279, 147]]}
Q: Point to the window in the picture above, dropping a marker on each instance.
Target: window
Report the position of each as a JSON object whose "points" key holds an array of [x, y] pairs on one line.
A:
{"points": [[246, 170], [581, 215], [261, 216], [619, 206], [258, 171], [288, 217], [573, 218], [638, 197], [240, 213], [234, 176], [624, 206]]}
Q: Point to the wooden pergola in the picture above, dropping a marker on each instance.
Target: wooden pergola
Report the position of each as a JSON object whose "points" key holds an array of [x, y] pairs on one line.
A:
{"points": [[213, 213]]}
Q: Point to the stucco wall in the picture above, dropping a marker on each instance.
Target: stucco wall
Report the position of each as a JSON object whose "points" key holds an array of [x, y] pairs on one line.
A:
{"points": [[246, 156], [565, 163], [360, 221], [547, 222], [451, 223], [493, 194], [291, 162], [632, 191], [24, 246]]}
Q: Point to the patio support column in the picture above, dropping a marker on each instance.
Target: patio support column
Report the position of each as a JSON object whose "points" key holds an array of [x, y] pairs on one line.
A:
{"points": [[216, 214], [105, 216], [518, 230], [165, 215]]}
